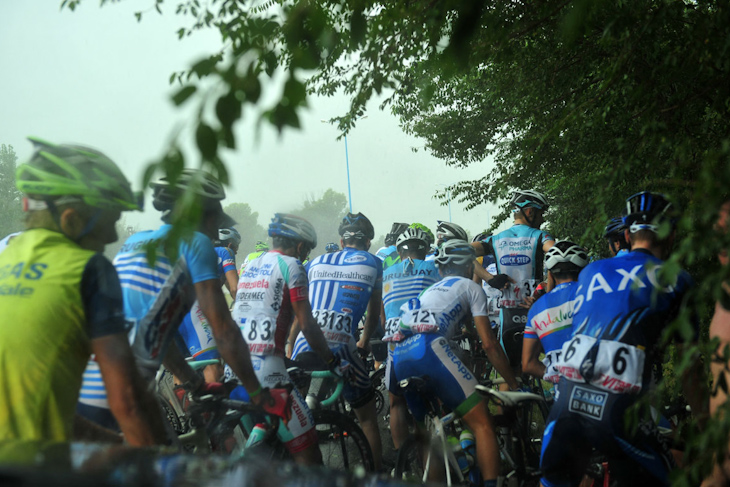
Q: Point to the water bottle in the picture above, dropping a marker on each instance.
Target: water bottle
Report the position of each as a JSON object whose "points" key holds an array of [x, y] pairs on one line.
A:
{"points": [[466, 439], [458, 454], [257, 434]]}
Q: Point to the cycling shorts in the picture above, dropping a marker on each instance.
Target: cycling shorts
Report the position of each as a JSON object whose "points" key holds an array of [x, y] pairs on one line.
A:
{"points": [[391, 383], [585, 417], [197, 334], [429, 354], [299, 434]]}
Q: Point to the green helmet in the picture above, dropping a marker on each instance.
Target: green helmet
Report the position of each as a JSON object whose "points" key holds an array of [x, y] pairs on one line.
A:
{"points": [[426, 230], [260, 246], [70, 173]]}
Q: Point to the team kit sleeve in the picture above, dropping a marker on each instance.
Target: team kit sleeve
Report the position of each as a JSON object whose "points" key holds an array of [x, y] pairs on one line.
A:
{"points": [[101, 294], [529, 329], [201, 258], [298, 283], [477, 299], [228, 260]]}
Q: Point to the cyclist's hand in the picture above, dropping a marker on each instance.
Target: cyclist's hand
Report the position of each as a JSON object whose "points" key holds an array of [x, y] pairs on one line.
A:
{"points": [[341, 368], [500, 281], [276, 402], [528, 301]]}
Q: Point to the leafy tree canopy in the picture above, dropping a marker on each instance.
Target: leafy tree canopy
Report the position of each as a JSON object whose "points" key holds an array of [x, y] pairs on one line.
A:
{"points": [[325, 213], [247, 225]]}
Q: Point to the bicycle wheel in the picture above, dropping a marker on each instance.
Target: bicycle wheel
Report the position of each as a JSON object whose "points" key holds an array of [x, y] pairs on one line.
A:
{"points": [[411, 463], [532, 419], [342, 442]]}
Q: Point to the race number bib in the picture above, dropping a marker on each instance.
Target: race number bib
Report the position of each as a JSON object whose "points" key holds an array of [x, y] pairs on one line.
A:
{"points": [[613, 366], [336, 327], [392, 330], [619, 367], [573, 353], [259, 334], [550, 361], [516, 293], [421, 321]]}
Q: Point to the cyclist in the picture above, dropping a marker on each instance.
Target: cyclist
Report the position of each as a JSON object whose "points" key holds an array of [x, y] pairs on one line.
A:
{"points": [[518, 252], [389, 254], [260, 248], [159, 294], [331, 247], [62, 301], [550, 320], [615, 234], [621, 308], [428, 322], [195, 330], [401, 282], [272, 291], [343, 286]]}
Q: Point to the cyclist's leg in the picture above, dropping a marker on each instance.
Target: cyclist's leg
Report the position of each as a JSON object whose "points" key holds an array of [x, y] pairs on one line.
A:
{"points": [[197, 335], [398, 407], [360, 394], [299, 436], [456, 387]]}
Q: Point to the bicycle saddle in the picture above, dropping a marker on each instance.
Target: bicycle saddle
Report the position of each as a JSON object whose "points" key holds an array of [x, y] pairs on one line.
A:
{"points": [[415, 383], [508, 398]]}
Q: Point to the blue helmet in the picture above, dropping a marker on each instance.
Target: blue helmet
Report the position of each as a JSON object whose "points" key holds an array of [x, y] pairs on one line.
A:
{"points": [[331, 247], [293, 227], [529, 199]]}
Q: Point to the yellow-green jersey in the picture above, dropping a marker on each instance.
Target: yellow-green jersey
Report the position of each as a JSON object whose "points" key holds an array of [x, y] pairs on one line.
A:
{"points": [[56, 297]]}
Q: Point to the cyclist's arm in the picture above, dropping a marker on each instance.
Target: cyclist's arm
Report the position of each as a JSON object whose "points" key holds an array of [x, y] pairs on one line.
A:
{"points": [[494, 351], [175, 363], [231, 345], [481, 274], [373, 318], [135, 409], [479, 249], [310, 328], [531, 348], [232, 282], [293, 334], [547, 245]]}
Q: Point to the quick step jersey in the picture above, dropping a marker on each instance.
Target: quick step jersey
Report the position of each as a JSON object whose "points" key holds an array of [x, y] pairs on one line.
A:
{"points": [[621, 307], [402, 282], [551, 321], [263, 310], [442, 307], [518, 253], [340, 286]]}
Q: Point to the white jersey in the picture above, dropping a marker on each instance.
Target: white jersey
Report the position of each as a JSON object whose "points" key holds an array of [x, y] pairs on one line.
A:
{"points": [[441, 307], [263, 309]]}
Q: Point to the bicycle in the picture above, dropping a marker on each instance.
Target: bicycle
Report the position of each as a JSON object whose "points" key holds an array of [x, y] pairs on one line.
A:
{"points": [[224, 425], [519, 452]]}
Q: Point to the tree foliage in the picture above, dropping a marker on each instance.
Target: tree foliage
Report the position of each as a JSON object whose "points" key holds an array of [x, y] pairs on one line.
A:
{"points": [[248, 226], [586, 100], [10, 197], [325, 214]]}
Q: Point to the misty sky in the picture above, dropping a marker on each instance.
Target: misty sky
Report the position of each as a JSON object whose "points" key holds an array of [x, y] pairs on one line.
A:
{"points": [[99, 78]]}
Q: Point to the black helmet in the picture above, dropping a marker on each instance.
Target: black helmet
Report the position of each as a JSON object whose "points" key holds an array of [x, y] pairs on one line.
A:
{"points": [[395, 230], [615, 228], [646, 211], [167, 192], [356, 225]]}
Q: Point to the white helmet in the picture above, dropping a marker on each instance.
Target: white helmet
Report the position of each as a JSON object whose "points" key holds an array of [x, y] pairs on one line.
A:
{"points": [[417, 236], [566, 252], [449, 231], [455, 252], [529, 199]]}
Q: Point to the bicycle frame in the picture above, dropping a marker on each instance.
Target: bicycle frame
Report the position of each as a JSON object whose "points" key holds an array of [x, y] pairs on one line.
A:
{"points": [[437, 427]]}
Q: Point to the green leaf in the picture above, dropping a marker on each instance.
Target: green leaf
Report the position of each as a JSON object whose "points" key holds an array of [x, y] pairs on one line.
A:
{"points": [[295, 92], [228, 109], [183, 94], [358, 27], [207, 141]]}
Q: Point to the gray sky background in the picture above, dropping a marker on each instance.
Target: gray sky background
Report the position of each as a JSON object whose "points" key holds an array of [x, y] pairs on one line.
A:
{"points": [[99, 78]]}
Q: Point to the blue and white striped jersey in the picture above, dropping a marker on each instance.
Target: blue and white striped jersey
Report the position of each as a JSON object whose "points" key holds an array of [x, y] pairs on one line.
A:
{"points": [[401, 282], [342, 282]]}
